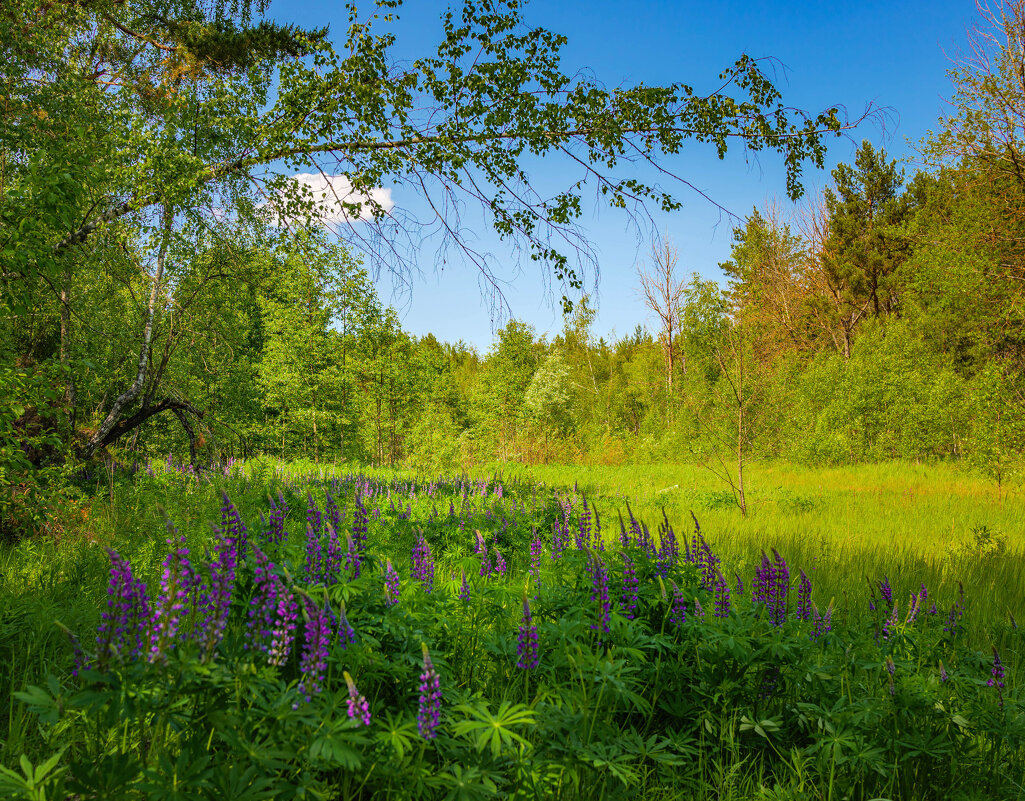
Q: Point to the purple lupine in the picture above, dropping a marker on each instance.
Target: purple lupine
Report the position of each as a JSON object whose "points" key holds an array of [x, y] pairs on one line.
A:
{"points": [[646, 543], [314, 555], [278, 513], [722, 597], [423, 563], [480, 547], [317, 642], [996, 679], [886, 591], [890, 623], [823, 622], [560, 539], [313, 517], [346, 633], [464, 589], [891, 668], [630, 584], [177, 586], [122, 631], [233, 528], [272, 613], [353, 558], [391, 585], [584, 524], [804, 597], [357, 704], [485, 563], [943, 672], [213, 614], [333, 513], [429, 712], [500, 564], [740, 584], [913, 609], [527, 640], [624, 535], [535, 561], [678, 610], [332, 555], [360, 523], [600, 595], [699, 610], [780, 589], [761, 587]]}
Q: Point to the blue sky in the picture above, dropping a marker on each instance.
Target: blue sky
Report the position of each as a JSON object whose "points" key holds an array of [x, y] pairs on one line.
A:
{"points": [[893, 55]]}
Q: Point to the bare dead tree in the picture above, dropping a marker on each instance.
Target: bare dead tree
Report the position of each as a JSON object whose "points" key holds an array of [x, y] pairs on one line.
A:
{"points": [[663, 292]]}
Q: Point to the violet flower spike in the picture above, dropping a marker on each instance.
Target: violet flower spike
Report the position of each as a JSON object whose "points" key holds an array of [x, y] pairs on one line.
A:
{"points": [[527, 640], [391, 585], [429, 706], [357, 704]]}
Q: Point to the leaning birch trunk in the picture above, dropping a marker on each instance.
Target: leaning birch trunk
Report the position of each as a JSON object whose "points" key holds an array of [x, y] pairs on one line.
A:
{"points": [[129, 395]]}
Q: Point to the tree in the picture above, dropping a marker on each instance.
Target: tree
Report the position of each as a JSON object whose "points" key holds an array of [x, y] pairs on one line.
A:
{"points": [[663, 292]]}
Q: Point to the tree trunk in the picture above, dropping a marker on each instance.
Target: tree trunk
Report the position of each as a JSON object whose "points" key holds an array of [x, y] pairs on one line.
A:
{"points": [[128, 396]]}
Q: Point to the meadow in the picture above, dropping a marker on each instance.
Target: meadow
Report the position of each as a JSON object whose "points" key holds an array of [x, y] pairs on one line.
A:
{"points": [[546, 632]]}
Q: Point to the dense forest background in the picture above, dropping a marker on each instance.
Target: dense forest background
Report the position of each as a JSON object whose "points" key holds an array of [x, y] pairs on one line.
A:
{"points": [[883, 319]]}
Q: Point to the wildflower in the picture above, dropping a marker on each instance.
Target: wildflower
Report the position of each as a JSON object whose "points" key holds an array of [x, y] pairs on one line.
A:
{"points": [[213, 612], [891, 668], [353, 557], [722, 598], [780, 581], [996, 679], [913, 605], [500, 564], [600, 595], [177, 584], [233, 529], [423, 563], [346, 633], [314, 566], [535, 560], [358, 707], [391, 585], [629, 596], [122, 630], [886, 591], [943, 672], [317, 641], [527, 640], [360, 524], [429, 713], [699, 610], [585, 523], [891, 623], [464, 590], [823, 622], [804, 598], [313, 517], [678, 613]]}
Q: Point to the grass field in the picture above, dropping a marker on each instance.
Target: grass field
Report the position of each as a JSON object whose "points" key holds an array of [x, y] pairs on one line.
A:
{"points": [[849, 529]]}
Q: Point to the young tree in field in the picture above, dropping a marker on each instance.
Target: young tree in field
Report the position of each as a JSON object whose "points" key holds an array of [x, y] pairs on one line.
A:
{"points": [[548, 401], [151, 122], [502, 386], [663, 291]]}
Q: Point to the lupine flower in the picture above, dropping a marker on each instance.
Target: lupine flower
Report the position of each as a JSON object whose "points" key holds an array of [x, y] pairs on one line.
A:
{"points": [[122, 630], [358, 707], [722, 597], [629, 596], [886, 591], [804, 598], [278, 513], [761, 586], [391, 585], [314, 555], [585, 523], [313, 518], [996, 679], [346, 633], [233, 529], [360, 524], [678, 610], [480, 547], [890, 623], [891, 668], [332, 556], [913, 606], [527, 640], [423, 563], [780, 589], [699, 610], [485, 563], [464, 590], [535, 561], [823, 623], [943, 672], [213, 611], [272, 613], [353, 557], [334, 514], [317, 642], [177, 585], [560, 539], [600, 595], [500, 563], [429, 713]]}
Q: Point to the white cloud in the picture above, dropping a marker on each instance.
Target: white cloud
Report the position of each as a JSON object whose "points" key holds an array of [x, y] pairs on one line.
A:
{"points": [[329, 192]]}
